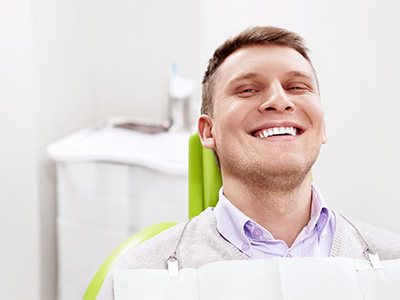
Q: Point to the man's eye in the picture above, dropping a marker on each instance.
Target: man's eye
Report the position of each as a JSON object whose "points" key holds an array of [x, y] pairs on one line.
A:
{"points": [[298, 87], [248, 91]]}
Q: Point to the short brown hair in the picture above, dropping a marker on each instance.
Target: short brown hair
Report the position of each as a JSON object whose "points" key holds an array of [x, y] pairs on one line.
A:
{"points": [[260, 35]]}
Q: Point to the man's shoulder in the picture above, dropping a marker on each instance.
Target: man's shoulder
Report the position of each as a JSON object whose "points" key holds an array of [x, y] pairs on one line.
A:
{"points": [[154, 252], [384, 242]]}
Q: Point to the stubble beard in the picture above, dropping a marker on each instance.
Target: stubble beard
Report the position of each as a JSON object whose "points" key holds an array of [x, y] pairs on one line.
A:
{"points": [[281, 177]]}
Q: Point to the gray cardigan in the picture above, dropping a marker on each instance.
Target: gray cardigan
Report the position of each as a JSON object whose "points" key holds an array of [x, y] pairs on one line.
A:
{"points": [[201, 243]]}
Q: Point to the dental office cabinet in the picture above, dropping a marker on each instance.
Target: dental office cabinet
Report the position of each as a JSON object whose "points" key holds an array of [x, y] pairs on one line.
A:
{"points": [[112, 182]]}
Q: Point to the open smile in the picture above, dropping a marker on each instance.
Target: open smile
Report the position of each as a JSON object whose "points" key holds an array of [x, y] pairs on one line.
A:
{"points": [[274, 131]]}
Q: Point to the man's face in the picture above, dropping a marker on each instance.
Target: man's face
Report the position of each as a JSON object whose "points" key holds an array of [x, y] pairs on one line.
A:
{"points": [[267, 119]]}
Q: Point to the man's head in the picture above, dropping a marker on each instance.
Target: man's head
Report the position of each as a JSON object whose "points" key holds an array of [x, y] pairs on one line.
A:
{"points": [[261, 109], [253, 36]]}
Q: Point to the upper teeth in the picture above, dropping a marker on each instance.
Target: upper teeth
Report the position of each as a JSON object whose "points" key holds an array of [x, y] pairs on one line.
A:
{"points": [[277, 130]]}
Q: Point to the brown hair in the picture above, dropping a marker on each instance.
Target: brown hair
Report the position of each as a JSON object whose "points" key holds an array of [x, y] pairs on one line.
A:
{"points": [[265, 35]]}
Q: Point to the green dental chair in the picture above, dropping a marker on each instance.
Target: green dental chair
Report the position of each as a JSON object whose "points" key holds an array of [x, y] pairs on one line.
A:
{"points": [[204, 184]]}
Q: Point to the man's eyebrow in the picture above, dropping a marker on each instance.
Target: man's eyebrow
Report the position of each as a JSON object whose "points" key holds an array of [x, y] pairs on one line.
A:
{"points": [[294, 73], [300, 74], [243, 77]]}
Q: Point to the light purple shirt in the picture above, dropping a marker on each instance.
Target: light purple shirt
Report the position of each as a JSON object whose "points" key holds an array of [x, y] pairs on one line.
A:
{"points": [[256, 242]]}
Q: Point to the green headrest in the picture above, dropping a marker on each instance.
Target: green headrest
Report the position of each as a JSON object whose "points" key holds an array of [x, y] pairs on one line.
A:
{"points": [[204, 177]]}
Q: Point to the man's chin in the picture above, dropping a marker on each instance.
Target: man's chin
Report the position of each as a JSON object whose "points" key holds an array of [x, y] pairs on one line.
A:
{"points": [[280, 181], [274, 176]]}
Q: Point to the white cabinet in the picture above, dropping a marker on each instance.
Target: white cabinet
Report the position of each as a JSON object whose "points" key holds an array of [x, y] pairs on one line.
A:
{"points": [[111, 184]]}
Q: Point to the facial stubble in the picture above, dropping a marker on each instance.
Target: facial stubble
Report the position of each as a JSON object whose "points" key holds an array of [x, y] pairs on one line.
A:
{"points": [[259, 174]]}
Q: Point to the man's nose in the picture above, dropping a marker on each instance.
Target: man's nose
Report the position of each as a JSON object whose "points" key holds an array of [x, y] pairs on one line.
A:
{"points": [[276, 99]]}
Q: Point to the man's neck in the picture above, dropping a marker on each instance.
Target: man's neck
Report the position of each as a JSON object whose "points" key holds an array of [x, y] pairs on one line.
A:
{"points": [[284, 213]]}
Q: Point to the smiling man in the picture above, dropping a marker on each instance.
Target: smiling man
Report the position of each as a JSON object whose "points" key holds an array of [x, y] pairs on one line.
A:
{"points": [[262, 117], [266, 125]]}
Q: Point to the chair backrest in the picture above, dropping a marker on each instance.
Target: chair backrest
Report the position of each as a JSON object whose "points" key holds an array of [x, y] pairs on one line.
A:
{"points": [[204, 177]]}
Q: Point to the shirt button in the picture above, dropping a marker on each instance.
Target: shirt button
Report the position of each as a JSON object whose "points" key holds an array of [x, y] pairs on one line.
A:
{"points": [[245, 247], [257, 232]]}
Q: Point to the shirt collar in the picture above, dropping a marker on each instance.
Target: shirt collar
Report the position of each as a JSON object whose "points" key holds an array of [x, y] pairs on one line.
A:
{"points": [[232, 223], [320, 214]]}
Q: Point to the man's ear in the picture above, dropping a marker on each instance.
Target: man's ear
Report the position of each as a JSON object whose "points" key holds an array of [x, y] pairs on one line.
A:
{"points": [[205, 130]]}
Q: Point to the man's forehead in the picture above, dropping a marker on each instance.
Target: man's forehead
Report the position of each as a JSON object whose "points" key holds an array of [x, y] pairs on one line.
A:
{"points": [[249, 61]]}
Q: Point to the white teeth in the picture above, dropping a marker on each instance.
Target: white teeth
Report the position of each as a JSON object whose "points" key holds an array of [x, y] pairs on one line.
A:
{"points": [[277, 130]]}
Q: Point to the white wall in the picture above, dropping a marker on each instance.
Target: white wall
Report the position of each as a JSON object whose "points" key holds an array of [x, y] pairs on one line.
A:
{"points": [[138, 41], [64, 60], [46, 91], [19, 213]]}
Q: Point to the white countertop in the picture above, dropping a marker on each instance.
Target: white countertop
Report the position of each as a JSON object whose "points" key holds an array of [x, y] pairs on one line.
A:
{"points": [[165, 152]]}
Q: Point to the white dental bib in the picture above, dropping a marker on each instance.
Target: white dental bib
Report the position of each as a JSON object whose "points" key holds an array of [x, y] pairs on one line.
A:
{"points": [[277, 278]]}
